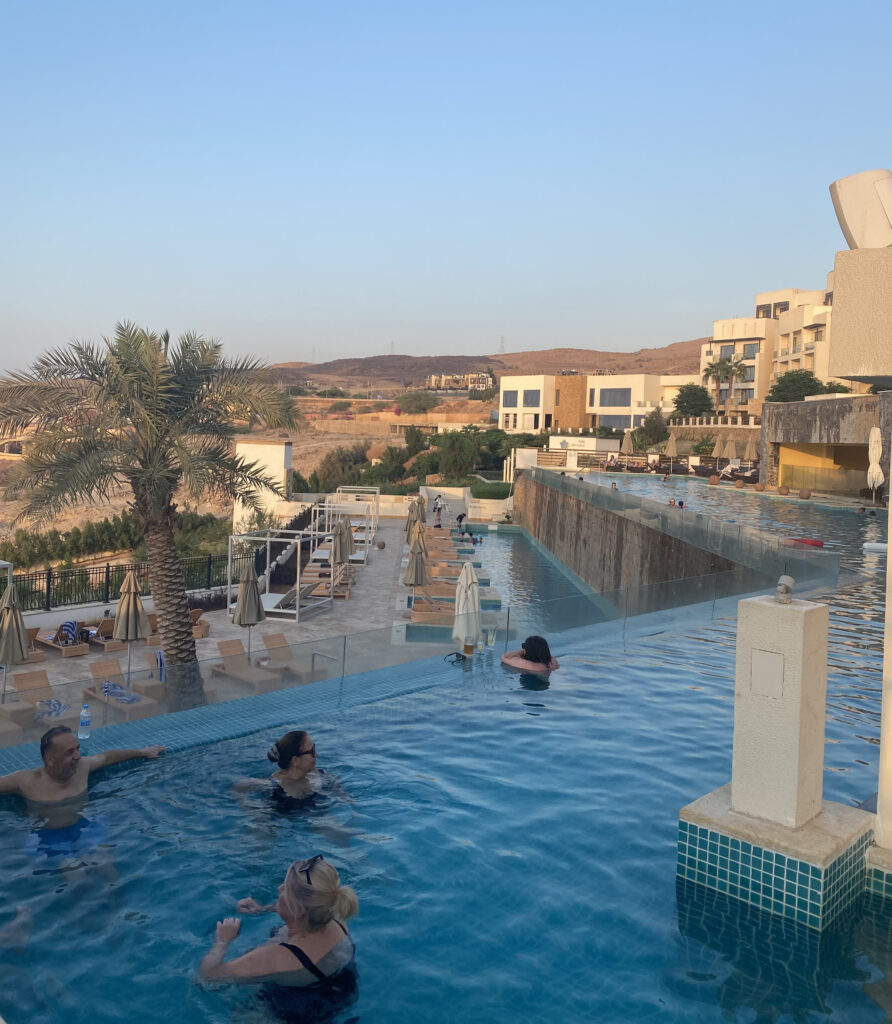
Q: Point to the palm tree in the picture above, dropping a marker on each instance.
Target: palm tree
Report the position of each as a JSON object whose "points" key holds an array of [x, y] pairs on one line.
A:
{"points": [[157, 418], [724, 371]]}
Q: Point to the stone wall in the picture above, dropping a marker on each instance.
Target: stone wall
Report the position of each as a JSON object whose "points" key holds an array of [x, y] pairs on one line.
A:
{"points": [[607, 550], [845, 420]]}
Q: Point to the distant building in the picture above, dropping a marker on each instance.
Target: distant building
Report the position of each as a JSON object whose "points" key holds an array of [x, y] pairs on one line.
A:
{"points": [[528, 404], [459, 382]]}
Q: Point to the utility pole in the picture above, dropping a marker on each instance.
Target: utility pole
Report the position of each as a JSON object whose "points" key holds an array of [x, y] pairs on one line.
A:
{"points": [[502, 345]]}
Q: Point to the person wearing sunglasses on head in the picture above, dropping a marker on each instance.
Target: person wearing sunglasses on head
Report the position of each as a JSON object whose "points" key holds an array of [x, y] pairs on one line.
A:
{"points": [[312, 950], [534, 656]]}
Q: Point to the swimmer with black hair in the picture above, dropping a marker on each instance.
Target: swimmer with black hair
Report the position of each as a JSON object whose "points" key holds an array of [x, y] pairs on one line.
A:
{"points": [[534, 656]]}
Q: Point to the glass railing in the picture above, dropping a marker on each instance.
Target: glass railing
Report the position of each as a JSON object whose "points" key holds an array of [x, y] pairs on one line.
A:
{"points": [[842, 481], [363, 665]]}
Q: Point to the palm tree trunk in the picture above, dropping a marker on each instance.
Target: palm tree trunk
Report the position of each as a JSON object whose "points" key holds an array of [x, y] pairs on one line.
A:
{"points": [[184, 684]]}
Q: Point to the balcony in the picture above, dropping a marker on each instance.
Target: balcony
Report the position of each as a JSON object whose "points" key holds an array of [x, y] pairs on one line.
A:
{"points": [[809, 346]]}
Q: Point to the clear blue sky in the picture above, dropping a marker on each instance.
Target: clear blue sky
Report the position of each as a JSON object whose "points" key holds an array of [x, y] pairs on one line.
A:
{"points": [[333, 177]]}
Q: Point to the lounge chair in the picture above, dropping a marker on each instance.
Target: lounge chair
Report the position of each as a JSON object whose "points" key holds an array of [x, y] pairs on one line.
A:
{"points": [[103, 638], [155, 688], [235, 665], [280, 653], [118, 696], [284, 604], [200, 629], [35, 703], [34, 656], [66, 640]]}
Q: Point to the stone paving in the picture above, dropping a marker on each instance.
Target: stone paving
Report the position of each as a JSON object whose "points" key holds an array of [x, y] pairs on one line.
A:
{"points": [[372, 619]]}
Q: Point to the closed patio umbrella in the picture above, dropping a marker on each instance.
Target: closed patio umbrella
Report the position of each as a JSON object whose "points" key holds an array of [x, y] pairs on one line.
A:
{"points": [[411, 515], [422, 509], [730, 449], [13, 638], [339, 553], [417, 533], [131, 621], [750, 454], [248, 609], [416, 570], [467, 606], [627, 448], [671, 450], [875, 476]]}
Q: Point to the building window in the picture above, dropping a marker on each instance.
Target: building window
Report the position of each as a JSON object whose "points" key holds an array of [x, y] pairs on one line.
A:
{"points": [[751, 350], [747, 394], [763, 312], [819, 334], [591, 396], [749, 373], [548, 421], [637, 421], [617, 422], [509, 399], [726, 352], [506, 420], [531, 421], [557, 396], [780, 307], [531, 399], [613, 397], [797, 341], [828, 298]]}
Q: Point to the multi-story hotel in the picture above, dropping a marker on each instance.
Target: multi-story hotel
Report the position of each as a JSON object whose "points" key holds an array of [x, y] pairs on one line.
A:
{"points": [[459, 382], [544, 402]]}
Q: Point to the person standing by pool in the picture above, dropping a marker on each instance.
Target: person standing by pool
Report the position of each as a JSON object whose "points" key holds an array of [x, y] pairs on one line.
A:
{"points": [[313, 950], [534, 656], [64, 774]]}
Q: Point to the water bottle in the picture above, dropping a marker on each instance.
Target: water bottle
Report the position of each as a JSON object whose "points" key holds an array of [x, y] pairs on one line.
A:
{"points": [[83, 725]]}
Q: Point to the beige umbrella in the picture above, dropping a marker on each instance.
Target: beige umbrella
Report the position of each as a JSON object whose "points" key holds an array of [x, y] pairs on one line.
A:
{"points": [[730, 449], [417, 532], [339, 541], [421, 509], [416, 570], [627, 447], [467, 607], [131, 621], [248, 609], [750, 454], [875, 476], [671, 450], [13, 638], [411, 515]]}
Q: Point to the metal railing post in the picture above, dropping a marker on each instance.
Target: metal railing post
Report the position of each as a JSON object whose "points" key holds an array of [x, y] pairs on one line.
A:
{"points": [[107, 591], [208, 582], [49, 587]]}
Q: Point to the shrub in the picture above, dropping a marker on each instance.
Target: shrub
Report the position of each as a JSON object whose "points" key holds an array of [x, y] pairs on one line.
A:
{"points": [[493, 491]]}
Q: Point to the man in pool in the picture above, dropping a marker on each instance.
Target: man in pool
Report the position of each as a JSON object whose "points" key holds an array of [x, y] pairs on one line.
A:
{"points": [[61, 782]]}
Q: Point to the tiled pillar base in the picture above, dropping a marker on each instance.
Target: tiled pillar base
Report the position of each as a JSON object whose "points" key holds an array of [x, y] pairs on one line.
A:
{"points": [[879, 872], [810, 874]]}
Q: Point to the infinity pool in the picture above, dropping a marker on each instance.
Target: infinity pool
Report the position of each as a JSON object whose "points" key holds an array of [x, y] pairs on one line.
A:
{"points": [[512, 845]]}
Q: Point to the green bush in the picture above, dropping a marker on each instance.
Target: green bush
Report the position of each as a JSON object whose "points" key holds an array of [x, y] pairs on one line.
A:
{"points": [[496, 491]]}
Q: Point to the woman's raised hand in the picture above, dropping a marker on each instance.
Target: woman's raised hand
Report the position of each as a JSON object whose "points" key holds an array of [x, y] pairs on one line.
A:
{"points": [[249, 905]]}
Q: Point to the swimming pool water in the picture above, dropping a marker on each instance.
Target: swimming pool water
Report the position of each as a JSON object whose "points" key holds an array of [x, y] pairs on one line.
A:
{"points": [[513, 849], [512, 846]]}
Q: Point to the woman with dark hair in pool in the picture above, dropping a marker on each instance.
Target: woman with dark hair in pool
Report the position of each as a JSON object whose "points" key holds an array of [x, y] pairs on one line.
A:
{"points": [[297, 781], [534, 656], [307, 969]]}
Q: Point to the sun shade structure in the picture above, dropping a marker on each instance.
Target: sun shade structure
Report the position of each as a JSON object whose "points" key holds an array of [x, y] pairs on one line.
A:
{"points": [[467, 606], [411, 516], [13, 637], [131, 620], [416, 571], [421, 508], [627, 448], [248, 609], [417, 533], [750, 454]]}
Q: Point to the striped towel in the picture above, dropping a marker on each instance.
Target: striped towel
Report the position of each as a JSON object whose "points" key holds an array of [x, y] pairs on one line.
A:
{"points": [[118, 693], [51, 709], [68, 632], [162, 666]]}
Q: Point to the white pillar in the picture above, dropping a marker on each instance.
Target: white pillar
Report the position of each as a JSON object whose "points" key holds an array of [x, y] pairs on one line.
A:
{"points": [[573, 460], [883, 835], [780, 696]]}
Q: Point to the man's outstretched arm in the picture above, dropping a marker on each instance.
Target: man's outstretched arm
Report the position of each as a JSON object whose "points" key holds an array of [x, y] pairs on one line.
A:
{"points": [[11, 783], [117, 756]]}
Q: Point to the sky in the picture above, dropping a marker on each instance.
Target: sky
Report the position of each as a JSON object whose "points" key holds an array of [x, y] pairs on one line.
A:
{"points": [[315, 181]]}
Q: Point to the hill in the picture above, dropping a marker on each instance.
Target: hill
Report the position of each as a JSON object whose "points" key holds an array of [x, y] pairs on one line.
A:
{"points": [[398, 371]]}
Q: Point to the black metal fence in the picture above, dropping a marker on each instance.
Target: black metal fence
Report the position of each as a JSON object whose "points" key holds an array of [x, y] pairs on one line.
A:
{"points": [[47, 589]]}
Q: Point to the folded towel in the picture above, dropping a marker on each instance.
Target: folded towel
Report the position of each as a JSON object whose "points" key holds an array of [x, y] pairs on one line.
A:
{"points": [[52, 709], [116, 691], [69, 632]]}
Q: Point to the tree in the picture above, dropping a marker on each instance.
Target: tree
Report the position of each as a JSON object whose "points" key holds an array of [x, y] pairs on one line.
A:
{"points": [[692, 400], [157, 418], [652, 431], [723, 371], [414, 440], [458, 453], [794, 385], [835, 388]]}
